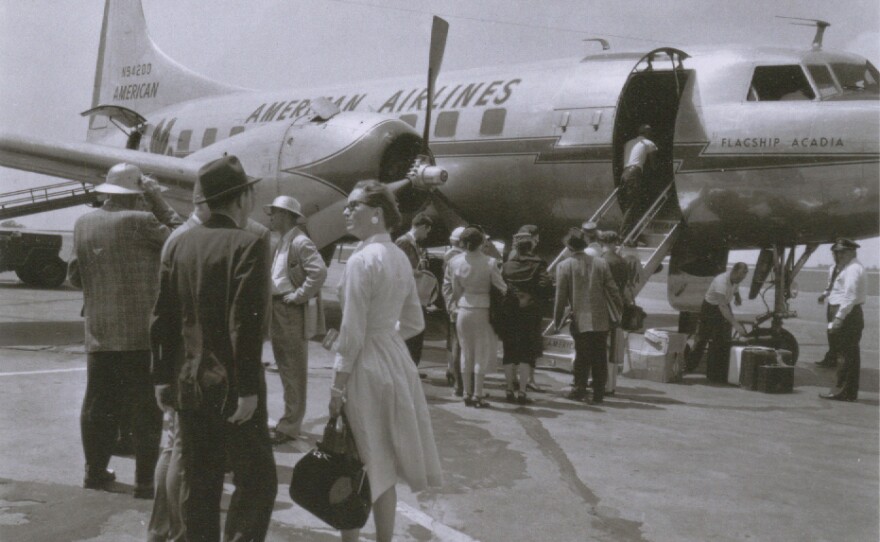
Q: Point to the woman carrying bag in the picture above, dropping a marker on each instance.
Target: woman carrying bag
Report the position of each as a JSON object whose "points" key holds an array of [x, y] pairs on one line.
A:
{"points": [[374, 375]]}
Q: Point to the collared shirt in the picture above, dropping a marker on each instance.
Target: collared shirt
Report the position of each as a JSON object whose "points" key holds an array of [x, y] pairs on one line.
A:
{"points": [[637, 151], [849, 288], [721, 290], [280, 277]]}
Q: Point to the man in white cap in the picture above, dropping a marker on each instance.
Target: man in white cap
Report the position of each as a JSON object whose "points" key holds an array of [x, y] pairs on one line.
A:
{"points": [[116, 263], [846, 319], [298, 273], [453, 367]]}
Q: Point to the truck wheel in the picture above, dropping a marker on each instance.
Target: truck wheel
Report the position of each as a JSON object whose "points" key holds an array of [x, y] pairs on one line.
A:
{"points": [[45, 272]]}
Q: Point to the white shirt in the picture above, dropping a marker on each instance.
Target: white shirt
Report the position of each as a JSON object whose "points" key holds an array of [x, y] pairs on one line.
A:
{"points": [[721, 290], [637, 150], [849, 288], [280, 276]]}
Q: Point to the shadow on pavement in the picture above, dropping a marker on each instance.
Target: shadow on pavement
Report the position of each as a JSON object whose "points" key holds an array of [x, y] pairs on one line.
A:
{"points": [[41, 333]]}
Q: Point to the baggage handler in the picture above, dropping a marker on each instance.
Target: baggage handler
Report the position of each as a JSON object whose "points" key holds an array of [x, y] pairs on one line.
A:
{"points": [[716, 319]]}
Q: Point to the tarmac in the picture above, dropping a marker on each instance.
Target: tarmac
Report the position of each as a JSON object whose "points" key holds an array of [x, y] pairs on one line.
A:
{"points": [[656, 462]]}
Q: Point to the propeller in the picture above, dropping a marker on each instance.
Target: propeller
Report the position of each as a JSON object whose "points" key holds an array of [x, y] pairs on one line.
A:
{"points": [[439, 31]]}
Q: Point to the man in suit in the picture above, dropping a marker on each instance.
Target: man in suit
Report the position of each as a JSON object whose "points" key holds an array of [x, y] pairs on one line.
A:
{"points": [[165, 520], [207, 342], [418, 259], [116, 262], [584, 284], [298, 273], [846, 319]]}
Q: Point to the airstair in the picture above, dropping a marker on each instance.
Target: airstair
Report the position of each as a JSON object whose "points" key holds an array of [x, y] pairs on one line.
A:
{"points": [[654, 234], [45, 198]]}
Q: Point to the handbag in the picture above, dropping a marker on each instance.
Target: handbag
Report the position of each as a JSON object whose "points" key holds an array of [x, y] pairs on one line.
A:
{"points": [[330, 480], [633, 317]]}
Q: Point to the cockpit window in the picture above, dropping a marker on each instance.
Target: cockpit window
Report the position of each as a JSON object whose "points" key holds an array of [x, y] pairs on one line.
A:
{"points": [[857, 78], [779, 84], [824, 82]]}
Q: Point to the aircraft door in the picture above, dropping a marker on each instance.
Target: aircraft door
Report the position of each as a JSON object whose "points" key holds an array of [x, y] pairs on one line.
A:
{"points": [[652, 95]]}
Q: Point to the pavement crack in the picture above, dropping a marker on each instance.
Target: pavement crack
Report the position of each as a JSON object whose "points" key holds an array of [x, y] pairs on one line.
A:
{"points": [[613, 527]]}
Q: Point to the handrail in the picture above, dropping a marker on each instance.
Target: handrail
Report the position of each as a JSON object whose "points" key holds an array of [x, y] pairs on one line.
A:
{"points": [[646, 219], [600, 212], [42, 194]]}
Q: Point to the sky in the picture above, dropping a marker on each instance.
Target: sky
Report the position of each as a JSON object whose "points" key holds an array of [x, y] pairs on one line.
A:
{"points": [[48, 48]]}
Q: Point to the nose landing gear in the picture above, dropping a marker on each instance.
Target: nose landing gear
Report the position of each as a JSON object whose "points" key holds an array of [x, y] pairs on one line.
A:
{"points": [[784, 269]]}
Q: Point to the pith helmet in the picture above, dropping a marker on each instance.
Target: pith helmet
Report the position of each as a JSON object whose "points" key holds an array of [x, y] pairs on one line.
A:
{"points": [[286, 203], [122, 179]]}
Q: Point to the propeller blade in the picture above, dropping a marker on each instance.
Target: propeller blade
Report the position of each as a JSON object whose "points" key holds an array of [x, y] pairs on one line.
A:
{"points": [[439, 31]]}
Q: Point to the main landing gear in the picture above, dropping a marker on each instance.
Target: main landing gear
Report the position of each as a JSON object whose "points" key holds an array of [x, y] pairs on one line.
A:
{"points": [[784, 269]]}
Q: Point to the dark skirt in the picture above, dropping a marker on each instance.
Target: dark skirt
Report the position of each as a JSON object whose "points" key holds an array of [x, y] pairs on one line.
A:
{"points": [[522, 338]]}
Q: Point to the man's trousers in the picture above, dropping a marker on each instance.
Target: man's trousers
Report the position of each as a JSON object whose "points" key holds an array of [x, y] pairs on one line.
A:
{"points": [[114, 378], [291, 350], [208, 441], [591, 355], [846, 344]]}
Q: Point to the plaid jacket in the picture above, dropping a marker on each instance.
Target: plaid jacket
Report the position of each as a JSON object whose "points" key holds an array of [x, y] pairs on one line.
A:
{"points": [[116, 263]]}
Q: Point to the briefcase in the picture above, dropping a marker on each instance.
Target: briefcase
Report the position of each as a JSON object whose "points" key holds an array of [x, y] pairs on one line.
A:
{"points": [[775, 379]]}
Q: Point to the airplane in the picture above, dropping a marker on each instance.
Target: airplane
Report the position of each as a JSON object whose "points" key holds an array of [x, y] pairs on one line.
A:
{"points": [[759, 148]]}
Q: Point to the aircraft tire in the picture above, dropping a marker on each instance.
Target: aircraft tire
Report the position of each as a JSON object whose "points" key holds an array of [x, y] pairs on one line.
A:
{"points": [[783, 341], [44, 272]]}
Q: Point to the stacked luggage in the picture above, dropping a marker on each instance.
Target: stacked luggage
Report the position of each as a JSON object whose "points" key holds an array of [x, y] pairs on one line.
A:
{"points": [[758, 368]]}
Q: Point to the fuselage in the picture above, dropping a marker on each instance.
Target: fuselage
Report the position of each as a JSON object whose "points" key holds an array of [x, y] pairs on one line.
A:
{"points": [[753, 162]]}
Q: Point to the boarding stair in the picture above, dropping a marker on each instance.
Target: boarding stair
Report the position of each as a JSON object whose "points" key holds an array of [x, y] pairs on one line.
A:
{"points": [[31, 201], [652, 237]]}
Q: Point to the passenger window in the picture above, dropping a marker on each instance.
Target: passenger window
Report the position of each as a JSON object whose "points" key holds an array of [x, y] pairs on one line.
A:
{"points": [[410, 119], [446, 124], [779, 84], [493, 121], [236, 130], [210, 137], [824, 82], [183, 140]]}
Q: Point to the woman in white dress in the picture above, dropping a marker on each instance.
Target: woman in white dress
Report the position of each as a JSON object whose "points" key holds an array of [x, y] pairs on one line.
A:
{"points": [[472, 274], [374, 376]]}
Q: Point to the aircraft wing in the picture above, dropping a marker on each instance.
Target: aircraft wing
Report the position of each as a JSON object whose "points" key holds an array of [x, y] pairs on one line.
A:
{"points": [[87, 162]]}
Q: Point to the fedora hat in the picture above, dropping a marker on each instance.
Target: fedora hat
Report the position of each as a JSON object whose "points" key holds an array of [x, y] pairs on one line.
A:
{"points": [[844, 244], [222, 177], [122, 179], [286, 203]]}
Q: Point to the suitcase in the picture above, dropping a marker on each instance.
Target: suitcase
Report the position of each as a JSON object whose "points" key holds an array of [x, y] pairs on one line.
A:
{"points": [[754, 357], [775, 379], [733, 368]]}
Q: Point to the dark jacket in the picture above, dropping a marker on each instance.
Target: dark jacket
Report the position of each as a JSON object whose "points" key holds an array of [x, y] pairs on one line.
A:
{"points": [[207, 321]]}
